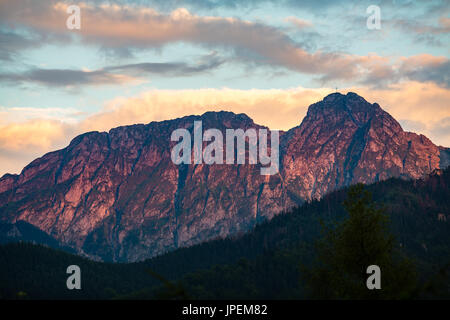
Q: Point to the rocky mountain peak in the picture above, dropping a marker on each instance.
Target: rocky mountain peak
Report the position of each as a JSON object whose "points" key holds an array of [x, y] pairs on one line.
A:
{"points": [[117, 195], [339, 107], [226, 119]]}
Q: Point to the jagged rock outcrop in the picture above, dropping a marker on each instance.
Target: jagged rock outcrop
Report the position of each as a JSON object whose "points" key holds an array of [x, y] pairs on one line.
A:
{"points": [[345, 140], [118, 196]]}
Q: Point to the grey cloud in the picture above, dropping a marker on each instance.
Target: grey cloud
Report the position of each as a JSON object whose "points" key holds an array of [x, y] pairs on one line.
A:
{"points": [[443, 127], [206, 63], [59, 77], [439, 74], [248, 42], [382, 76], [315, 6], [111, 74], [420, 28], [423, 32], [413, 126], [442, 131], [312, 5], [12, 43]]}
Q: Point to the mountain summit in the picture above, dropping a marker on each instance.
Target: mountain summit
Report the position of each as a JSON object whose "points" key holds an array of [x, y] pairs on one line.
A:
{"points": [[344, 140], [117, 196]]}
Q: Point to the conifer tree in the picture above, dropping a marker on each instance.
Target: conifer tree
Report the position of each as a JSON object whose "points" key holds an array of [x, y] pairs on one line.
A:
{"points": [[346, 251]]}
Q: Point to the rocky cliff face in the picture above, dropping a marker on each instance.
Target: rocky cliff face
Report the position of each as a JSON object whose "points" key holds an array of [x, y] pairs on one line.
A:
{"points": [[345, 140], [117, 196]]}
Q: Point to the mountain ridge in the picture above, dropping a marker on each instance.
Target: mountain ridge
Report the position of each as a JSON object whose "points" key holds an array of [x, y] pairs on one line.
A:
{"points": [[259, 264], [117, 196]]}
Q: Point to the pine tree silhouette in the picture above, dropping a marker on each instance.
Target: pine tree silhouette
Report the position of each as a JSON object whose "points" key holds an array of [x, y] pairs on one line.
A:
{"points": [[347, 249]]}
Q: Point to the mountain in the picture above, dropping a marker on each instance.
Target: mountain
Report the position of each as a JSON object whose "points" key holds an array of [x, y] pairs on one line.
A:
{"points": [[261, 264], [117, 196]]}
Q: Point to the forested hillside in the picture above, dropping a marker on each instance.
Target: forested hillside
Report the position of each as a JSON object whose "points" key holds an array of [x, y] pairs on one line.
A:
{"points": [[264, 263]]}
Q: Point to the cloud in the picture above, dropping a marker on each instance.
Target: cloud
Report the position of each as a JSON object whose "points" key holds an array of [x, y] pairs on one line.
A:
{"points": [[423, 32], [117, 74], [33, 134], [420, 107], [422, 68], [425, 68], [118, 27], [442, 129], [205, 63], [298, 23], [65, 77], [12, 43], [312, 5], [253, 43], [23, 114], [278, 108], [442, 27], [22, 142], [23, 139]]}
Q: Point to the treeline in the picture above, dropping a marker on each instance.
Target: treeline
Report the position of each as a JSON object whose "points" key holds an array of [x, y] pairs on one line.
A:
{"points": [[265, 263]]}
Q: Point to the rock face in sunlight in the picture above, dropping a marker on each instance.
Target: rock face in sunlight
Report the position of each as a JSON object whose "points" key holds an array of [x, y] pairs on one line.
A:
{"points": [[117, 196]]}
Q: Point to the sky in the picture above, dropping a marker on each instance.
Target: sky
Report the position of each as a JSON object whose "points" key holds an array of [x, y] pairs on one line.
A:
{"points": [[140, 61]]}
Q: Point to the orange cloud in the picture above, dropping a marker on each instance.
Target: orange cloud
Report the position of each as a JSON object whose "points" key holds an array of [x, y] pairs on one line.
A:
{"points": [[419, 107], [298, 23], [277, 108], [119, 27], [425, 104], [32, 134], [22, 142]]}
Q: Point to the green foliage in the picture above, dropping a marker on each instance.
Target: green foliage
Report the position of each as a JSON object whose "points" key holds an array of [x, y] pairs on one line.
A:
{"points": [[169, 290], [263, 264], [345, 252]]}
